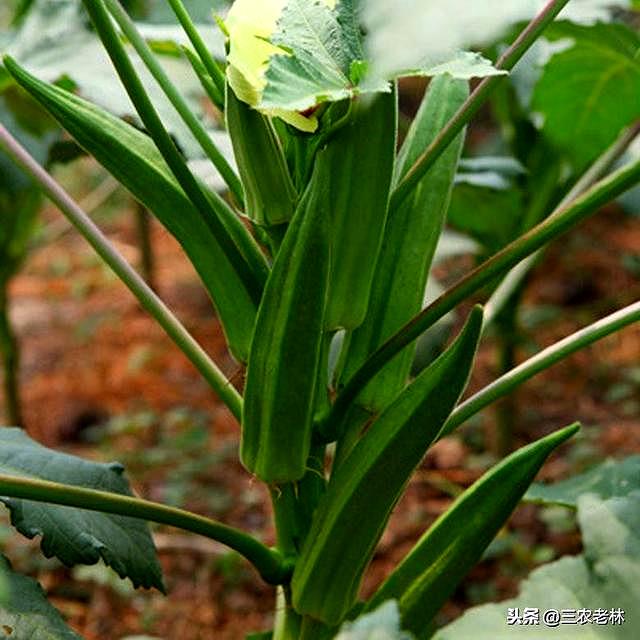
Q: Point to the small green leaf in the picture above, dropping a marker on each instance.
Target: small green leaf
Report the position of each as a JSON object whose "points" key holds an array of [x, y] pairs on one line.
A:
{"points": [[591, 90], [423, 581], [77, 536], [27, 613], [609, 479], [605, 577]]}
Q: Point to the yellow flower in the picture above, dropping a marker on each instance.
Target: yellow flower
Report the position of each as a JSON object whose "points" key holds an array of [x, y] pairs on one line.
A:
{"points": [[250, 24]]}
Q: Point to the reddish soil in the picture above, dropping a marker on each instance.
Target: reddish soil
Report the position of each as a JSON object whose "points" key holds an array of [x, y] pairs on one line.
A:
{"points": [[91, 354]]}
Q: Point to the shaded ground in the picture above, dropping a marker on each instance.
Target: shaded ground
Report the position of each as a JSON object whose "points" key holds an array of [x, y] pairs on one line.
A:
{"points": [[100, 379]]}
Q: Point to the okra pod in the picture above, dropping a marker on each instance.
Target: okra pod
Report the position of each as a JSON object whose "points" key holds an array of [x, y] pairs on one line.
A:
{"points": [[408, 246], [423, 581], [361, 494], [357, 167], [270, 196], [285, 351]]}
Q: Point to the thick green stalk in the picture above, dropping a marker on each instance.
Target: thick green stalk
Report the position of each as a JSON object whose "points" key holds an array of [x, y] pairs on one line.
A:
{"points": [[268, 562], [541, 361], [211, 206], [555, 225], [147, 298], [11, 360], [177, 100], [472, 105], [198, 44]]}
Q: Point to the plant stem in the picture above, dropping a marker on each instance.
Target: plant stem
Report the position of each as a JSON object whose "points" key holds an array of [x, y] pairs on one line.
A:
{"points": [[555, 225], [11, 360], [207, 84], [541, 361], [211, 206], [506, 410], [176, 99], [147, 298], [143, 228], [283, 499], [286, 625], [269, 563], [199, 44], [506, 62], [599, 168]]}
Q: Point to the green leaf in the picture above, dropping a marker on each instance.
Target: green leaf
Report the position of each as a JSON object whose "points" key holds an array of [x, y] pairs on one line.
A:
{"points": [[591, 90], [486, 203], [365, 487], [27, 613], [410, 34], [609, 479], [77, 536], [381, 624], [426, 577], [132, 158], [288, 57], [55, 42], [605, 577]]}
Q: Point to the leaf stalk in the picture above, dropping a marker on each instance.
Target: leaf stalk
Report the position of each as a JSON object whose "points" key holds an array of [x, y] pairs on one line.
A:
{"points": [[144, 294], [269, 562]]}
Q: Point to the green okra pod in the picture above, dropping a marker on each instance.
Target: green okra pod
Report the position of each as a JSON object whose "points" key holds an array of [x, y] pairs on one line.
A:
{"points": [[353, 512], [408, 246], [284, 360], [424, 580], [356, 164], [270, 196]]}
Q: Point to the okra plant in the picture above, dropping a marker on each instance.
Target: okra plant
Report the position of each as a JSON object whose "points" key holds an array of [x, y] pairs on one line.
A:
{"points": [[317, 263]]}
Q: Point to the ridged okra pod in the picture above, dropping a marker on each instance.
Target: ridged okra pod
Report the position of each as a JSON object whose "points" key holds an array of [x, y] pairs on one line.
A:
{"points": [[426, 577], [408, 246], [270, 196], [361, 494], [356, 165], [285, 352]]}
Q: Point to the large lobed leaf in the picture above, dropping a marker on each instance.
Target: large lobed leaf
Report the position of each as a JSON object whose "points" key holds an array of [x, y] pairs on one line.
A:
{"points": [[76, 536], [605, 577], [609, 479], [590, 90], [26, 612]]}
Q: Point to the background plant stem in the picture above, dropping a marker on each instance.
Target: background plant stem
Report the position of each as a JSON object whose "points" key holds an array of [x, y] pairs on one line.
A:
{"points": [[10, 360], [147, 298], [555, 225], [541, 361], [471, 106]]}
